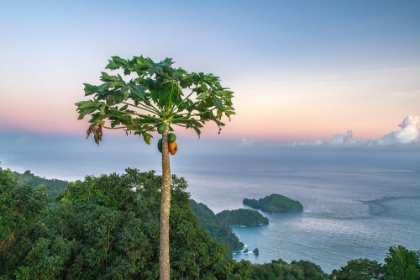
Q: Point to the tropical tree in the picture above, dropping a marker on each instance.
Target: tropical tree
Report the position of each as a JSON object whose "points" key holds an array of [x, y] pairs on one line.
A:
{"points": [[401, 263], [155, 97], [360, 269]]}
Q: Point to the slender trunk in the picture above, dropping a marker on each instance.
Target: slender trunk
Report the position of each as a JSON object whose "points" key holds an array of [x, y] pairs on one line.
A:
{"points": [[165, 207]]}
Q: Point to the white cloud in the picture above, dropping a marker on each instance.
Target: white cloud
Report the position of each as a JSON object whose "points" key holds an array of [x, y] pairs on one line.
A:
{"points": [[307, 144], [336, 140], [340, 139], [409, 133]]}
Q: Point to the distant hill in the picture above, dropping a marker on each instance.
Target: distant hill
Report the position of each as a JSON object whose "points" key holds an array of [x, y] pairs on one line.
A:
{"points": [[241, 217], [52, 186], [274, 203]]}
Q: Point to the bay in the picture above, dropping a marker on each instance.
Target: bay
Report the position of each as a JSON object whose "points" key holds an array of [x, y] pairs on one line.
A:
{"points": [[357, 203]]}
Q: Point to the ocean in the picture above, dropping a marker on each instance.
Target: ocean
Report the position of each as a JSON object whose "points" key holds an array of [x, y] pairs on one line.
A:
{"points": [[357, 202]]}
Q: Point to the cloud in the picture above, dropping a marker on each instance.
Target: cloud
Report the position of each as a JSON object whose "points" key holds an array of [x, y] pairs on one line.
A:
{"points": [[409, 133], [336, 140], [307, 144], [246, 143], [340, 139]]}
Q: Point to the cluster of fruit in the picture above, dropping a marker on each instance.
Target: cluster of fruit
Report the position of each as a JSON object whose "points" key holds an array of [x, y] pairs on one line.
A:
{"points": [[172, 145]]}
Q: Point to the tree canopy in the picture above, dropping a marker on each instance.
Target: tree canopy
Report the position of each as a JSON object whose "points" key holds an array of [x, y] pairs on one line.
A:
{"points": [[156, 93]]}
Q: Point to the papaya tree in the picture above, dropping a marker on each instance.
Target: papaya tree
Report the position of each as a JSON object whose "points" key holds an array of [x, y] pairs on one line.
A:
{"points": [[155, 97]]}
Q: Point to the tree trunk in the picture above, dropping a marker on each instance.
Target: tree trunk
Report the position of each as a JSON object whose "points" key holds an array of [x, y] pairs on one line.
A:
{"points": [[165, 208]]}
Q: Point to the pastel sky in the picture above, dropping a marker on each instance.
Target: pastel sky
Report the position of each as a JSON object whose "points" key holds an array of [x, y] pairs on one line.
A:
{"points": [[303, 72]]}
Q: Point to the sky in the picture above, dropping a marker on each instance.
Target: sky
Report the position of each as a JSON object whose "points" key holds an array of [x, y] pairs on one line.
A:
{"points": [[304, 73]]}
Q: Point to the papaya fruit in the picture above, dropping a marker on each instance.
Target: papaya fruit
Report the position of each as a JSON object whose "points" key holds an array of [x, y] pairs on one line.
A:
{"points": [[161, 128], [173, 147], [159, 145], [171, 137]]}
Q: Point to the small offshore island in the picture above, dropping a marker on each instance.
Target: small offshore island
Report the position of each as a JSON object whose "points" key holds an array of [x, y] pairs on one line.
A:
{"points": [[274, 203]]}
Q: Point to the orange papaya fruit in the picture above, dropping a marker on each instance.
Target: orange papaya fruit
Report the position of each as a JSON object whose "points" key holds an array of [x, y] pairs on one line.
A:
{"points": [[173, 147]]}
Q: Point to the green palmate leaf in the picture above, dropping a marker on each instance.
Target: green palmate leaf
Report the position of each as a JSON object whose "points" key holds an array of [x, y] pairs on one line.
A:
{"points": [[218, 104], [117, 84], [117, 119], [89, 89], [102, 110], [87, 107], [112, 65], [116, 63], [185, 81], [229, 113], [202, 95], [157, 68], [179, 74], [82, 105], [140, 63], [119, 60], [197, 130], [140, 91], [105, 77], [95, 117]]}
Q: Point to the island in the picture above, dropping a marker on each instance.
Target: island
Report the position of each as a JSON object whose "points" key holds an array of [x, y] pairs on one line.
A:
{"points": [[242, 217], [274, 203]]}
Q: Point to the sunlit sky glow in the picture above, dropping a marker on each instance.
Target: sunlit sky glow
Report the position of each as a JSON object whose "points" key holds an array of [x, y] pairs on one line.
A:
{"points": [[301, 71]]}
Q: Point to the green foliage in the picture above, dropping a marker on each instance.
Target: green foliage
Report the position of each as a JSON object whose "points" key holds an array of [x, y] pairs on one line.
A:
{"points": [[105, 227], [116, 220], [301, 270], [21, 210], [217, 230], [156, 94], [401, 263], [46, 259], [245, 217], [360, 269], [311, 271], [274, 203]]}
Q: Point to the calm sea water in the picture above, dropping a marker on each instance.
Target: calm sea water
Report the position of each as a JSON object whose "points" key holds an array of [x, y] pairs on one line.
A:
{"points": [[357, 203]]}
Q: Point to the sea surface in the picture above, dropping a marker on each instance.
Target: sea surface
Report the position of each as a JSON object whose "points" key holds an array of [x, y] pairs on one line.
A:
{"points": [[357, 202]]}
